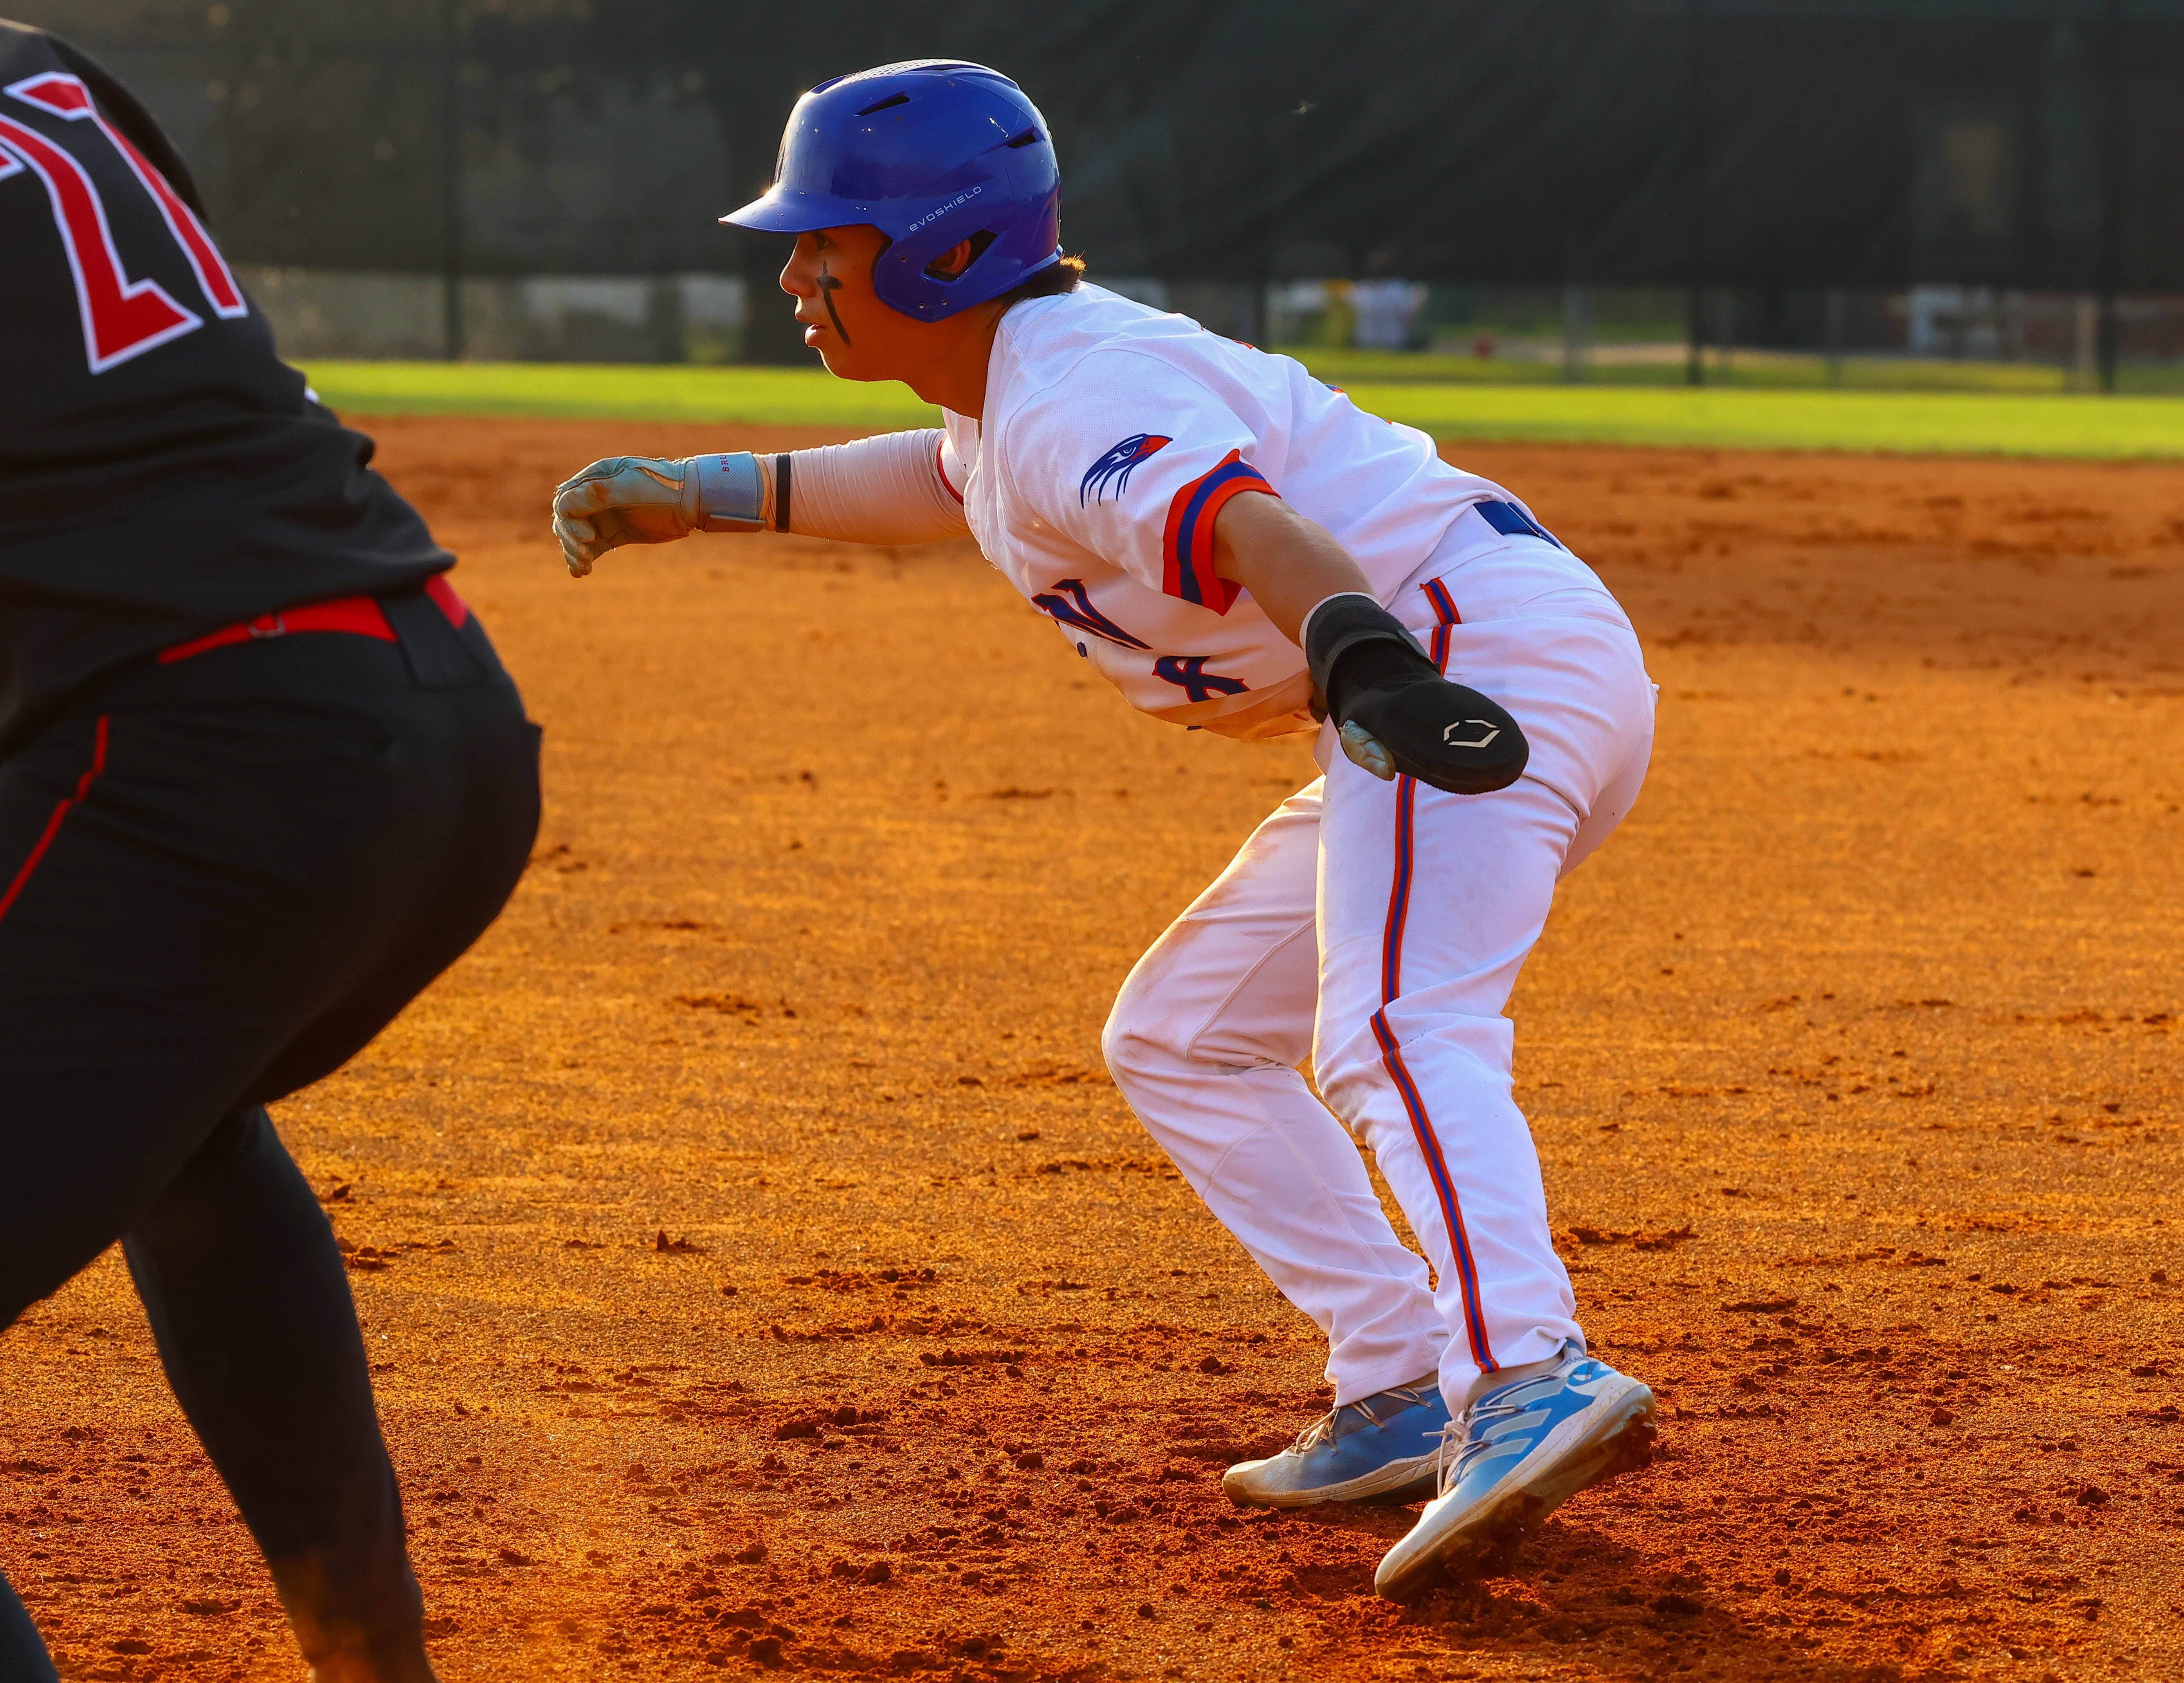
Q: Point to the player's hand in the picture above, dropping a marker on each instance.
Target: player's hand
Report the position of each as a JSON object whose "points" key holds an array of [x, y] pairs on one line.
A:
{"points": [[1397, 715], [1419, 725], [624, 500]]}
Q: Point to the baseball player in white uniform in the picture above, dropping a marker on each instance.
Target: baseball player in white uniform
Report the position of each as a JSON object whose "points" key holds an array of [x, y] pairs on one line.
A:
{"points": [[1236, 546]]}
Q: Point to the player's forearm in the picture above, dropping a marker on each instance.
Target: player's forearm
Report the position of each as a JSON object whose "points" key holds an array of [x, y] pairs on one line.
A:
{"points": [[1288, 563], [884, 489], [888, 489]]}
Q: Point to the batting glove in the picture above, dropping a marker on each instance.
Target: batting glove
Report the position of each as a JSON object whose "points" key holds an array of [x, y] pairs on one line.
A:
{"points": [[641, 499], [1397, 715]]}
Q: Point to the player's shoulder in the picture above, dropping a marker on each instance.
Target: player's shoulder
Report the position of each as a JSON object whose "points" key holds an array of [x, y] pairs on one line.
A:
{"points": [[25, 48], [27, 52], [1044, 342], [26, 45], [1077, 354], [1087, 314]]}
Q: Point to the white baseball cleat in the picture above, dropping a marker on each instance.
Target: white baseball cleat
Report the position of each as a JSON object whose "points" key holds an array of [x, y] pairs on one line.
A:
{"points": [[1518, 1452], [1383, 1448]]}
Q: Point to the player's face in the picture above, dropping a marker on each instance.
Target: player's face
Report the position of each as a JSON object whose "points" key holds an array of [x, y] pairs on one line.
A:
{"points": [[830, 278]]}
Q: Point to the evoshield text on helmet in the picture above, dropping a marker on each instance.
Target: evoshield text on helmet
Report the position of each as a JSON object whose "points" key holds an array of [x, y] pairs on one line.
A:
{"points": [[932, 153]]}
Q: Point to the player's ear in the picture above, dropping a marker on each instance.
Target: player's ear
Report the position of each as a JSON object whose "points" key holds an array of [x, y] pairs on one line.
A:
{"points": [[957, 257]]}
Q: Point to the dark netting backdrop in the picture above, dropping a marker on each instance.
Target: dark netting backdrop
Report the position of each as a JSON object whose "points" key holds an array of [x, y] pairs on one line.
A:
{"points": [[1759, 144]]}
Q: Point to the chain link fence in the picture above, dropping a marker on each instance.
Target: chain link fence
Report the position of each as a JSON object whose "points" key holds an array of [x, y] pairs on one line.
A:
{"points": [[543, 177]]}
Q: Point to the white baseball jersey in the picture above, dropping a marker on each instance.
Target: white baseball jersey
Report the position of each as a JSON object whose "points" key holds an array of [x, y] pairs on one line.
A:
{"points": [[1113, 436]]}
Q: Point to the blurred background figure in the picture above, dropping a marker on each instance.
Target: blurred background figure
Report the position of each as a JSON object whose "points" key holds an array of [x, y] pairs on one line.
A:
{"points": [[1388, 314]]}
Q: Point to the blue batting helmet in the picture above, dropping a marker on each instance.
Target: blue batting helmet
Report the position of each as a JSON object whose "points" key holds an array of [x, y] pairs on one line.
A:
{"points": [[931, 153]]}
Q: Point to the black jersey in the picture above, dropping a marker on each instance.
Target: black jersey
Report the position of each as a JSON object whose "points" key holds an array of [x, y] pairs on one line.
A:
{"points": [[162, 472]]}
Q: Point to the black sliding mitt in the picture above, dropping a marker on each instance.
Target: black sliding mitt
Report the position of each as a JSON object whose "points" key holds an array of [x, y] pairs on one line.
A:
{"points": [[1398, 715]]}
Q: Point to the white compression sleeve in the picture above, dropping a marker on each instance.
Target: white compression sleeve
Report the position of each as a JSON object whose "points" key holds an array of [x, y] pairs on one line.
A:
{"points": [[886, 490]]}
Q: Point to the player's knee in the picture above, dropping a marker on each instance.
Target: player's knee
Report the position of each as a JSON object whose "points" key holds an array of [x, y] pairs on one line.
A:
{"points": [[1134, 1042], [1119, 1044]]}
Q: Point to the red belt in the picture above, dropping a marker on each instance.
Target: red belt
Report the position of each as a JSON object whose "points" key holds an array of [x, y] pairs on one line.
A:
{"points": [[359, 615]]}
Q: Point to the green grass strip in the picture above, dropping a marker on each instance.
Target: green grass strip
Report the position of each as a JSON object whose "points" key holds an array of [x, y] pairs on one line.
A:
{"points": [[792, 397], [1911, 423], [1772, 370], [1734, 418]]}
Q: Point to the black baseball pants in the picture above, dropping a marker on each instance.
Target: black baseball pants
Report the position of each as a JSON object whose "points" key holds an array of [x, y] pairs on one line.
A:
{"points": [[218, 879]]}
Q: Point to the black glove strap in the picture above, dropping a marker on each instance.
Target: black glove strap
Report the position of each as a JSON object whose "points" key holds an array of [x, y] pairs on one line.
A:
{"points": [[1351, 642]]}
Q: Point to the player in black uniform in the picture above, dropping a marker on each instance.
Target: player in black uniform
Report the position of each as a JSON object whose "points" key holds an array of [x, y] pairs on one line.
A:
{"points": [[261, 779]]}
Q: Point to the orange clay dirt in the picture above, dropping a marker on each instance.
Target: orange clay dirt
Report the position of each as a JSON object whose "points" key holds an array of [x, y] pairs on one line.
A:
{"points": [[762, 1274]]}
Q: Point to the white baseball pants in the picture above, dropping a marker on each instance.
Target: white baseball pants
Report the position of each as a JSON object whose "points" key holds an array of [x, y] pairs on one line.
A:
{"points": [[1380, 928]]}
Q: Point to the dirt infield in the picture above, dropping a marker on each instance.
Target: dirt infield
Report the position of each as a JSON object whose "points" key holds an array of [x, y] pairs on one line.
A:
{"points": [[762, 1273]]}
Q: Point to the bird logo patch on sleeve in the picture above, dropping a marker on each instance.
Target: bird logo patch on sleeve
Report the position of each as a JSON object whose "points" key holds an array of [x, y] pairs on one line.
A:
{"points": [[1115, 468]]}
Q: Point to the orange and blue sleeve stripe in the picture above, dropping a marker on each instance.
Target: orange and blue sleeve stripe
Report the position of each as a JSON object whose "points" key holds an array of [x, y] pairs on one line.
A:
{"points": [[1187, 549]]}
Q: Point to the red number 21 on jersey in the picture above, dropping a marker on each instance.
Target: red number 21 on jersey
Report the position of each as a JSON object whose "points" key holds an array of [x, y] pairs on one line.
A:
{"points": [[122, 318]]}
